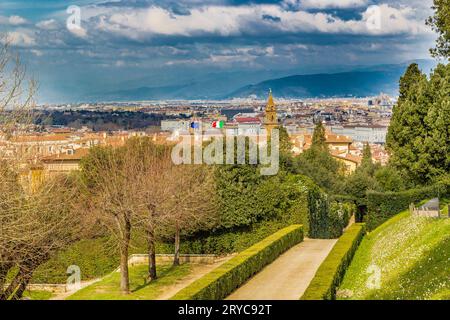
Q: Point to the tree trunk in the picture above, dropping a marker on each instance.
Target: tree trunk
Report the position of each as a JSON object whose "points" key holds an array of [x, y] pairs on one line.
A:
{"points": [[4, 269], [14, 284], [22, 286], [152, 275], [176, 258], [124, 245]]}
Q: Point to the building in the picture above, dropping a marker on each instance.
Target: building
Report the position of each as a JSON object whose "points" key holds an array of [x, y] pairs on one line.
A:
{"points": [[270, 115], [64, 162], [371, 133], [340, 148]]}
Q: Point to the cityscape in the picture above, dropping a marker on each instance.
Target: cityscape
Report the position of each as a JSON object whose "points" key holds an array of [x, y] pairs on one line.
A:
{"points": [[247, 152]]}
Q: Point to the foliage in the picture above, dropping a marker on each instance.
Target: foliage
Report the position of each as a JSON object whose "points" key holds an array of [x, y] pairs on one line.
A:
{"points": [[440, 23], [222, 281], [319, 140], [332, 270], [383, 205], [339, 217], [108, 288], [95, 257], [321, 167], [389, 178], [414, 256], [420, 128]]}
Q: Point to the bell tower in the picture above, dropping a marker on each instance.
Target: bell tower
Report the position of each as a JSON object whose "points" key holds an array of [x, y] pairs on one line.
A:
{"points": [[270, 117]]}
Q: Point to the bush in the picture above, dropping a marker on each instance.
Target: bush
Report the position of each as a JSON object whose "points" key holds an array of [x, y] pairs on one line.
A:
{"points": [[331, 272], [382, 206], [339, 217], [228, 241], [94, 257], [222, 281]]}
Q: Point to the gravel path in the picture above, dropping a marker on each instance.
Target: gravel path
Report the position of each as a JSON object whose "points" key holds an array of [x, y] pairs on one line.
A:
{"points": [[288, 276]]}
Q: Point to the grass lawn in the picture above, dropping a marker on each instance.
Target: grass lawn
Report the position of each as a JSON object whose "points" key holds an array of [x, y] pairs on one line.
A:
{"points": [[413, 255], [109, 287], [37, 295]]}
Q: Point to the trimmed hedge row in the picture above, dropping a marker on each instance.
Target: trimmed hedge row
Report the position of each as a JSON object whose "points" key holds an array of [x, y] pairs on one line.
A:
{"points": [[382, 206], [331, 272], [223, 280]]}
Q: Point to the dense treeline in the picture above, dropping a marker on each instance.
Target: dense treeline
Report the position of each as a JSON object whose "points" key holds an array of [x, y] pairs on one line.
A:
{"points": [[100, 120]]}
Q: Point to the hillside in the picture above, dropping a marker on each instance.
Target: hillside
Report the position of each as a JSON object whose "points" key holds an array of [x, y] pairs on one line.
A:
{"points": [[359, 82], [337, 82], [414, 257], [347, 84]]}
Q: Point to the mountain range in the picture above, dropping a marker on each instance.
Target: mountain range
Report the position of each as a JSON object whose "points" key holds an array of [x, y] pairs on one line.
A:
{"points": [[358, 82]]}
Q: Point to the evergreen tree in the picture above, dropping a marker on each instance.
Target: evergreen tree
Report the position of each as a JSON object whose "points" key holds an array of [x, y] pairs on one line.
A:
{"points": [[436, 144], [367, 161], [440, 23], [418, 137], [396, 136], [319, 140]]}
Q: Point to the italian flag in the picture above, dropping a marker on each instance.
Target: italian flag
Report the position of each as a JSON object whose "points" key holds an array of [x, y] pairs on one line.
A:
{"points": [[218, 124]]}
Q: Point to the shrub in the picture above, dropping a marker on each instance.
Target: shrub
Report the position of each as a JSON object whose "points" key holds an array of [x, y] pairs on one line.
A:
{"points": [[382, 206], [222, 281], [331, 272], [94, 257], [339, 217]]}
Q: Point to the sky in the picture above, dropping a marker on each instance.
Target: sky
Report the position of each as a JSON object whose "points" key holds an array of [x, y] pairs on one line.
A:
{"points": [[120, 44]]}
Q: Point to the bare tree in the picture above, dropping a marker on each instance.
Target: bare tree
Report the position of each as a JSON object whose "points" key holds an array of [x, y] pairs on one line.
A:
{"points": [[192, 206], [112, 195], [154, 179], [16, 92], [34, 222], [33, 227]]}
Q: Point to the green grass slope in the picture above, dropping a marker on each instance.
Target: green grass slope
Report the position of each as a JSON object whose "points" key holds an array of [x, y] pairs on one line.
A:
{"points": [[109, 287], [413, 255]]}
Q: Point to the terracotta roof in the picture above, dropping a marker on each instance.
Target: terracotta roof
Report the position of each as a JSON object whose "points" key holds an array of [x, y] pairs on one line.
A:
{"points": [[40, 138], [348, 157], [333, 138], [247, 120], [77, 155]]}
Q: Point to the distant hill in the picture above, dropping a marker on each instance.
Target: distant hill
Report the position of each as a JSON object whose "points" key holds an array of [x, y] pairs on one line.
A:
{"points": [[361, 82], [348, 84]]}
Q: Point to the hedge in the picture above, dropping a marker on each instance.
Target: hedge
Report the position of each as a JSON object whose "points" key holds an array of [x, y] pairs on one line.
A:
{"points": [[222, 281], [332, 270], [382, 206]]}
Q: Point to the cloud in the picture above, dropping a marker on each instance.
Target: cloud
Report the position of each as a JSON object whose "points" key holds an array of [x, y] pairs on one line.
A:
{"points": [[50, 24], [13, 20], [225, 21], [325, 4], [21, 39], [78, 32]]}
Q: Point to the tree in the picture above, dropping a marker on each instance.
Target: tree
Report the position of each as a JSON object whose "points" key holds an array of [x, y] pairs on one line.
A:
{"points": [[16, 91], [319, 140], [34, 226], [192, 206], [418, 134], [34, 222], [367, 164], [440, 22], [389, 179], [154, 180], [112, 193], [318, 163], [407, 130], [435, 153]]}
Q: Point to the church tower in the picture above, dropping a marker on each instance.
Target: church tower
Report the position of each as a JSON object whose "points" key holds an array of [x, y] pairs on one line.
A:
{"points": [[270, 118]]}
